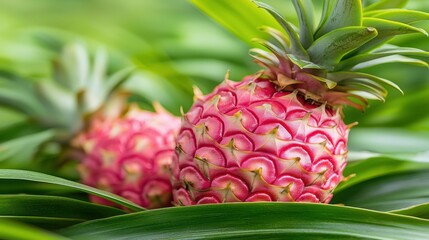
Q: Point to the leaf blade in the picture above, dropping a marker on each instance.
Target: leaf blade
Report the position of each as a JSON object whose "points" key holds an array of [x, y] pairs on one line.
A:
{"points": [[253, 221], [40, 177]]}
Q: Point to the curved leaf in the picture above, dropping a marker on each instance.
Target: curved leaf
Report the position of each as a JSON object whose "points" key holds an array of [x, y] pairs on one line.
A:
{"points": [[400, 15], [385, 4], [16, 230], [40, 177], [386, 31], [420, 211], [254, 221], [50, 211], [341, 76], [295, 45], [387, 193], [328, 50], [380, 53], [374, 167], [345, 13]]}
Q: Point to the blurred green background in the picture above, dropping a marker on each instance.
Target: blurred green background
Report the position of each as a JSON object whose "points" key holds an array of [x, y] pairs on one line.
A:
{"points": [[175, 46]]}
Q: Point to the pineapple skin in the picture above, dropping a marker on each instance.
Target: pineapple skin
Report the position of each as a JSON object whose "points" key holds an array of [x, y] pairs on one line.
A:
{"points": [[130, 156], [246, 141]]}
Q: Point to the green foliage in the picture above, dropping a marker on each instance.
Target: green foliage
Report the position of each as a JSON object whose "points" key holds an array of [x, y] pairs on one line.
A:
{"points": [[172, 47], [255, 221]]}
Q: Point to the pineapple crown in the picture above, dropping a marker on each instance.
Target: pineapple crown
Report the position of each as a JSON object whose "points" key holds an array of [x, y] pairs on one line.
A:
{"points": [[79, 87], [324, 63]]}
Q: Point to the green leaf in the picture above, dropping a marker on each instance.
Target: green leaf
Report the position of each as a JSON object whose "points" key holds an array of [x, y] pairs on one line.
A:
{"points": [[52, 212], [391, 28], [385, 4], [328, 50], [388, 192], [22, 148], [420, 211], [375, 167], [397, 142], [295, 45], [304, 9], [341, 76], [390, 59], [44, 178], [385, 51], [386, 31], [19, 231], [254, 221], [242, 17], [399, 15], [345, 13], [302, 63]]}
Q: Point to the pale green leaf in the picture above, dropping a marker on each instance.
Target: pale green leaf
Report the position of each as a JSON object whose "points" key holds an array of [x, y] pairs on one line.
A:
{"points": [[384, 51], [386, 4], [340, 76], [15, 230], [399, 15], [44, 178]]}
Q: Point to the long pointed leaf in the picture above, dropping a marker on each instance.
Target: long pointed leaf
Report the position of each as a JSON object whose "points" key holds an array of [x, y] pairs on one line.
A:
{"points": [[400, 15], [345, 13], [52, 211], [389, 192], [254, 221], [40, 177], [16, 230], [296, 47], [328, 50], [379, 53], [306, 21], [340, 76]]}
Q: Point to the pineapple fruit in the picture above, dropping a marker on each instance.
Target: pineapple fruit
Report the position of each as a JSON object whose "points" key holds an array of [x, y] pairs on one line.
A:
{"points": [[120, 148], [130, 156], [279, 135]]}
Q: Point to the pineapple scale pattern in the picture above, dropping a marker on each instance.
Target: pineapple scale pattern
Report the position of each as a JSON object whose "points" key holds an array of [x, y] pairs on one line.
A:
{"points": [[130, 156], [247, 141]]}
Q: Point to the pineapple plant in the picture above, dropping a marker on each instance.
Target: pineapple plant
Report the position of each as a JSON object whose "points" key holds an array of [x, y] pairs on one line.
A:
{"points": [[119, 147], [279, 134]]}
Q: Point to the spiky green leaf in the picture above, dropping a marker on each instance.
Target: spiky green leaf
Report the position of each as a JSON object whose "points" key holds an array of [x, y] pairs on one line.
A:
{"points": [[399, 15], [385, 51], [296, 47], [328, 50], [390, 59], [386, 31], [344, 13], [304, 9], [341, 76]]}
